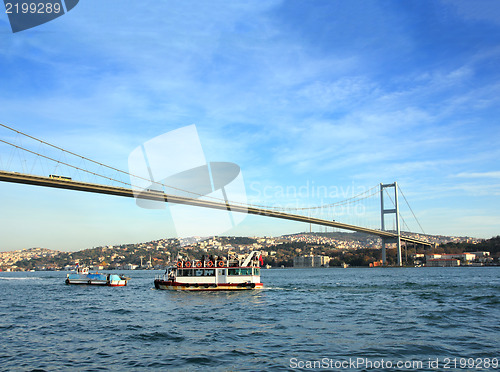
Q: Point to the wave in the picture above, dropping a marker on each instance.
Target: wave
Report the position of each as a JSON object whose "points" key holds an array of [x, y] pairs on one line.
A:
{"points": [[158, 336], [121, 311]]}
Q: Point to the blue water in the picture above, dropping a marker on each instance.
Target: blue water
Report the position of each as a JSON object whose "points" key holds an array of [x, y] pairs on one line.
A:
{"points": [[304, 316]]}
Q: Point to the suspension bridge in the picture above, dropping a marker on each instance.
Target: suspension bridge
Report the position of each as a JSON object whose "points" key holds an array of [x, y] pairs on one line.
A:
{"points": [[42, 154]]}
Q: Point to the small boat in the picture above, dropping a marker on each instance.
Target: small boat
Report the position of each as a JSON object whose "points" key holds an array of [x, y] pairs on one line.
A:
{"points": [[83, 276], [213, 274]]}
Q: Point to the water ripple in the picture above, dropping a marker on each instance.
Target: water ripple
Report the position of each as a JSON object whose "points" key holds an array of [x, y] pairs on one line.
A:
{"points": [[399, 314]]}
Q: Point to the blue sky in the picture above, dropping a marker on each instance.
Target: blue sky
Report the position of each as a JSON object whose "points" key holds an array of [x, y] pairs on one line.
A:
{"points": [[340, 94]]}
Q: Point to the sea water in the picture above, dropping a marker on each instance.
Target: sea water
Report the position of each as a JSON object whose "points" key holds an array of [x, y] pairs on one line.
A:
{"points": [[356, 319]]}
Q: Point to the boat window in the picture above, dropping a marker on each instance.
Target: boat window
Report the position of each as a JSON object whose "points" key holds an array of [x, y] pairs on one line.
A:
{"points": [[196, 272], [222, 272], [256, 271], [246, 271]]}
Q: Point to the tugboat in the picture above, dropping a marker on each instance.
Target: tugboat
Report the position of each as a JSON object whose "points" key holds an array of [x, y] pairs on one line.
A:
{"points": [[214, 274], [82, 276]]}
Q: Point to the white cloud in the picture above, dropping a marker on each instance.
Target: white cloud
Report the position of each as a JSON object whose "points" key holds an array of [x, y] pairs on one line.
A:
{"points": [[478, 10], [493, 174]]}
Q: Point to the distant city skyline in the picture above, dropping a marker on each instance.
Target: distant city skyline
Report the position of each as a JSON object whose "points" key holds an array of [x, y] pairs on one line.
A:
{"points": [[315, 101]]}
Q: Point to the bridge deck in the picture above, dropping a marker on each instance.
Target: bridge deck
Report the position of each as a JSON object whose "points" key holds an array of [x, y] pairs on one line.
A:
{"points": [[15, 177]]}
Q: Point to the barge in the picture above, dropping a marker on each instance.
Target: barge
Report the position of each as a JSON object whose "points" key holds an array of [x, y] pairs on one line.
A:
{"points": [[83, 276]]}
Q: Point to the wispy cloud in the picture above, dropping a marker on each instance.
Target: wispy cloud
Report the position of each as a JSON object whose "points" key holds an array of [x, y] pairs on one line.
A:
{"points": [[485, 10], [493, 174]]}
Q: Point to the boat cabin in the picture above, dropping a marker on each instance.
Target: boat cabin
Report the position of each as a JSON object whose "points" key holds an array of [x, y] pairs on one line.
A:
{"points": [[232, 273]]}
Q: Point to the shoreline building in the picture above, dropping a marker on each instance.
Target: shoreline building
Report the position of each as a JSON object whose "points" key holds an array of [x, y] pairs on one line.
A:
{"points": [[458, 259], [443, 262], [311, 261]]}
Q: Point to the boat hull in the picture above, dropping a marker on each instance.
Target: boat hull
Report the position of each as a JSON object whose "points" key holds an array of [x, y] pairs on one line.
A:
{"points": [[197, 287], [86, 282], [110, 280], [117, 283]]}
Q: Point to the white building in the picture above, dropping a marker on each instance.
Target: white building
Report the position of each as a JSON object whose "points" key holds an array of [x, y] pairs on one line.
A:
{"points": [[442, 262], [465, 257], [311, 261], [479, 254]]}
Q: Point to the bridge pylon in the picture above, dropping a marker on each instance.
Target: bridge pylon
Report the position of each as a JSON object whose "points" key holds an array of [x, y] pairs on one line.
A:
{"points": [[383, 212]]}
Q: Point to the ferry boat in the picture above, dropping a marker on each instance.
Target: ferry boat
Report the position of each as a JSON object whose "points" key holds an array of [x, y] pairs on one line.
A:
{"points": [[213, 274], [82, 276]]}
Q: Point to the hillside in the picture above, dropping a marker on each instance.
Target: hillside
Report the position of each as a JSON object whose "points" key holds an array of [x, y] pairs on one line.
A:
{"points": [[355, 249]]}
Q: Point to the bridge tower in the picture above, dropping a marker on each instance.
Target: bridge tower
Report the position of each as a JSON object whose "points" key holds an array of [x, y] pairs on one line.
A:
{"points": [[395, 211]]}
